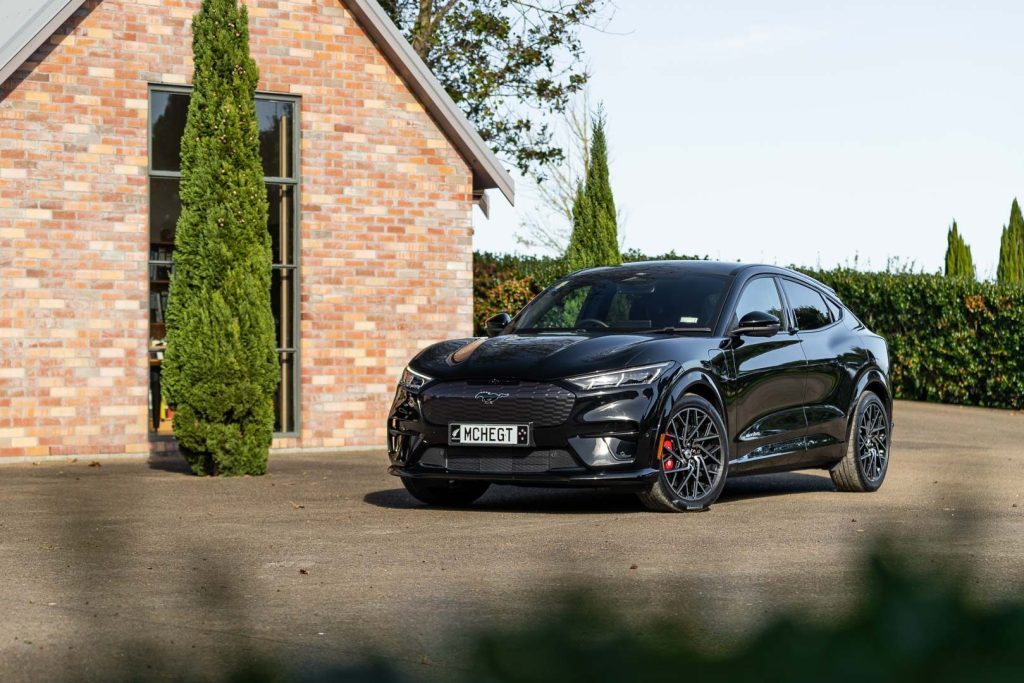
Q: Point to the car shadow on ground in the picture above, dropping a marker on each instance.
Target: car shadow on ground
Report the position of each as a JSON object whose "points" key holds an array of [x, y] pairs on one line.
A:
{"points": [[554, 500], [781, 484], [169, 462]]}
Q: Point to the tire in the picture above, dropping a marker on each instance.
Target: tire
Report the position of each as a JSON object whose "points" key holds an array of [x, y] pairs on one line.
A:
{"points": [[868, 437], [445, 492], [693, 448]]}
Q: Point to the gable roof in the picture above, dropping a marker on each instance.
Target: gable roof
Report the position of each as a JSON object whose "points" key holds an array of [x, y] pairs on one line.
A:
{"points": [[26, 24]]}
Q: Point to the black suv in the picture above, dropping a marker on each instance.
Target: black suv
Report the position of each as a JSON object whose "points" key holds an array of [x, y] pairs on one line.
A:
{"points": [[663, 377]]}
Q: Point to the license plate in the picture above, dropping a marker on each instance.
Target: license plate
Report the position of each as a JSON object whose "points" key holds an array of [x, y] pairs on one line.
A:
{"points": [[488, 435]]}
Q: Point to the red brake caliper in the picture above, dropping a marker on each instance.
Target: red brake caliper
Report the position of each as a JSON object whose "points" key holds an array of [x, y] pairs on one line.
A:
{"points": [[666, 444]]}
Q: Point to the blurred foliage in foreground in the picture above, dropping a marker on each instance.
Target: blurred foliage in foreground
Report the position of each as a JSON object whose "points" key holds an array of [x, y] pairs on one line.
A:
{"points": [[905, 626]]}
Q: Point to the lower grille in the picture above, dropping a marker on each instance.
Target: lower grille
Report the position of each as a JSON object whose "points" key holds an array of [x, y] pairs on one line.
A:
{"points": [[543, 404], [499, 462]]}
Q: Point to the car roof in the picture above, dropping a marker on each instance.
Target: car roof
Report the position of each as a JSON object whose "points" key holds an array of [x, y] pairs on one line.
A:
{"points": [[723, 268], [726, 268]]}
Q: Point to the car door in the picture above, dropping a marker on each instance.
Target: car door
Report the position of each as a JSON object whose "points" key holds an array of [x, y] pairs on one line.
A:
{"points": [[826, 383], [766, 387]]}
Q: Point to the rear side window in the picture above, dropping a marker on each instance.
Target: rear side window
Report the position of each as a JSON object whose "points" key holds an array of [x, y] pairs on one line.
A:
{"points": [[835, 309], [760, 296], [808, 306]]}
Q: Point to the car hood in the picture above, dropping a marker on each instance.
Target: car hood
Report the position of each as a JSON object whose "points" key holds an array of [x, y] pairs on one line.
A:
{"points": [[553, 356]]}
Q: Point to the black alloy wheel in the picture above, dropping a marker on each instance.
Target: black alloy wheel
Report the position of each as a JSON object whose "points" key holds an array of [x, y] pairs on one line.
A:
{"points": [[694, 459], [866, 461]]}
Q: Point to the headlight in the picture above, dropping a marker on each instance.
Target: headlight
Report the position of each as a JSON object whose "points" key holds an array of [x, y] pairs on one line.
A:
{"points": [[412, 380], [646, 374]]}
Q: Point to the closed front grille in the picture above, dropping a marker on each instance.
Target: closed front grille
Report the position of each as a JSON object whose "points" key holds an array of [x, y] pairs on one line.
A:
{"points": [[461, 459], [543, 404]]}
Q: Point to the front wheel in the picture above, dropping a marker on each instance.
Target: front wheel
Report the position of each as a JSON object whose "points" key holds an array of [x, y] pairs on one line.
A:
{"points": [[693, 459], [866, 461], [445, 492]]}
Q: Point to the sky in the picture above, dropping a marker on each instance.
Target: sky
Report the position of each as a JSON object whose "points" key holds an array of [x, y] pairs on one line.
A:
{"points": [[809, 133]]}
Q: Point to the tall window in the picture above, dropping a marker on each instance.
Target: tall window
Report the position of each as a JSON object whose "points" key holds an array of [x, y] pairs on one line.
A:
{"points": [[279, 151]]}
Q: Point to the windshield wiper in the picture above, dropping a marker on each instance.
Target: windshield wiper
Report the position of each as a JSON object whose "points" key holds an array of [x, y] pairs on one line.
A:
{"points": [[682, 330], [544, 330]]}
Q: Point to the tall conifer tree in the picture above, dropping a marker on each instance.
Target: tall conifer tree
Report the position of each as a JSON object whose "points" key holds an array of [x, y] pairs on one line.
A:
{"points": [[602, 201], [1011, 249], [959, 262], [579, 253], [220, 370], [595, 233]]}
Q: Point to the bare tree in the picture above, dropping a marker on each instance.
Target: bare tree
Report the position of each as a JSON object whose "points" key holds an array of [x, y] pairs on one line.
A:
{"points": [[548, 224]]}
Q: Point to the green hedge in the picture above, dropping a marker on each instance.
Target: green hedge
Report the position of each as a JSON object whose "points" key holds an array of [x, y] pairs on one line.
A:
{"points": [[503, 283], [950, 340]]}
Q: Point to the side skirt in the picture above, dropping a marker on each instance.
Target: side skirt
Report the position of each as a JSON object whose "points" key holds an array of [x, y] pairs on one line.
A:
{"points": [[812, 452]]}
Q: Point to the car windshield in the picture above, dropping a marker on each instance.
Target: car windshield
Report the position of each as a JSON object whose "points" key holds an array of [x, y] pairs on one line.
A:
{"points": [[627, 300]]}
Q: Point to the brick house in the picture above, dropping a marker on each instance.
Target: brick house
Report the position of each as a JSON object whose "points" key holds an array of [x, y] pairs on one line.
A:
{"points": [[372, 175]]}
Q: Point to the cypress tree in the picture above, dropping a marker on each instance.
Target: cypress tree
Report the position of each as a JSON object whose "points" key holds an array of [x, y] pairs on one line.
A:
{"points": [[1011, 249], [959, 262], [595, 232], [602, 203], [579, 253], [220, 370]]}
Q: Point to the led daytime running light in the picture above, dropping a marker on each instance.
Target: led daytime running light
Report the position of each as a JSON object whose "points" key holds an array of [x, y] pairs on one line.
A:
{"points": [[413, 380], [646, 374]]}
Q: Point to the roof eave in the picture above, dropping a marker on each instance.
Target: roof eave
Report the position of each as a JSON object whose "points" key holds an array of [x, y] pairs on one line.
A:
{"points": [[37, 39]]}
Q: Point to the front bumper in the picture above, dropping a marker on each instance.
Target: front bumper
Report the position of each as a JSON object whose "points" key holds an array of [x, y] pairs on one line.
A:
{"points": [[638, 478], [602, 438]]}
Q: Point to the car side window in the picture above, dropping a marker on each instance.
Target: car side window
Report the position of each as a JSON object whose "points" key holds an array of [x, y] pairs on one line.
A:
{"points": [[808, 306], [760, 295], [835, 309]]}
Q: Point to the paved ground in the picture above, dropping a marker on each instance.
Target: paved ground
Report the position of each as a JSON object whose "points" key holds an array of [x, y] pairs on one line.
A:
{"points": [[135, 565]]}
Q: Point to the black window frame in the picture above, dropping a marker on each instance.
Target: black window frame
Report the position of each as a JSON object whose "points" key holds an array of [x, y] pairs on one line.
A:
{"points": [[792, 314], [295, 182], [835, 308], [787, 323]]}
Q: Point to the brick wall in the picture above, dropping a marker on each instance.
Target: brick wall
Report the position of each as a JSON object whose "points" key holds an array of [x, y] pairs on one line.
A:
{"points": [[385, 227]]}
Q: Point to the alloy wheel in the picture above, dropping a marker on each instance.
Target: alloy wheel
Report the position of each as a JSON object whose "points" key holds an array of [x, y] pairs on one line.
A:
{"points": [[692, 455], [873, 442]]}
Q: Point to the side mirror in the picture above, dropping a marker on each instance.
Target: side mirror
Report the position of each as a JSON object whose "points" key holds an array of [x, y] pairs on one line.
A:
{"points": [[495, 325], [758, 324]]}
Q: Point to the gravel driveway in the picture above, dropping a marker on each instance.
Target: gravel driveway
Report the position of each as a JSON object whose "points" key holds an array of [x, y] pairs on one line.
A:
{"points": [[135, 565]]}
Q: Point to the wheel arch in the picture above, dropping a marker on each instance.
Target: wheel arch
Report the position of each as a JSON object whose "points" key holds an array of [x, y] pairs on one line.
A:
{"points": [[690, 382], [875, 381], [698, 383], [846, 473]]}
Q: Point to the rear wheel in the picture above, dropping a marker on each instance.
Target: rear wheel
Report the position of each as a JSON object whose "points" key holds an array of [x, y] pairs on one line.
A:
{"points": [[866, 461], [693, 461], [445, 492]]}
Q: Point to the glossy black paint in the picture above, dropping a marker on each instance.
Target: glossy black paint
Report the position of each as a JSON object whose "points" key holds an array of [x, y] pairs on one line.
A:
{"points": [[786, 398]]}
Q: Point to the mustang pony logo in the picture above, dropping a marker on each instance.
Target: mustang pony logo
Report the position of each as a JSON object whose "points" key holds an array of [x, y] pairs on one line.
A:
{"points": [[489, 397]]}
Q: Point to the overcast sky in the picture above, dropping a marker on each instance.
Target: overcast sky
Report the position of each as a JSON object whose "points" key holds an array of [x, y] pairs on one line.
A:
{"points": [[807, 132]]}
